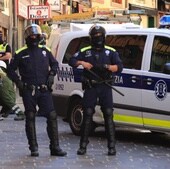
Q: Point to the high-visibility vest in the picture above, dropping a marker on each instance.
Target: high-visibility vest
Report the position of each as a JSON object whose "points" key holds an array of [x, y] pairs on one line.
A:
{"points": [[3, 48]]}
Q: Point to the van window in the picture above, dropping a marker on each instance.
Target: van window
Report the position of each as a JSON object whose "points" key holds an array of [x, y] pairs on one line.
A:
{"points": [[74, 46], [129, 47], [160, 53]]}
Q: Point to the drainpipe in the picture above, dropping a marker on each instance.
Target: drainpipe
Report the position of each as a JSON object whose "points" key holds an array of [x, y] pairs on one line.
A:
{"points": [[9, 33], [71, 6], [14, 29]]}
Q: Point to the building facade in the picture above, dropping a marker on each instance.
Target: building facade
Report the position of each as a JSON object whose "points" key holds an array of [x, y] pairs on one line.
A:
{"points": [[4, 18], [14, 14]]}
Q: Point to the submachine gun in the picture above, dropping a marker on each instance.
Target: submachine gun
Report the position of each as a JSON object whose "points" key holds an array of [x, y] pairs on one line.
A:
{"points": [[106, 82]]}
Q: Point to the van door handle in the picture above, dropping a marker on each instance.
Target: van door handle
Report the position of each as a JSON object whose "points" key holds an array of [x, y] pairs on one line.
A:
{"points": [[149, 81], [134, 79]]}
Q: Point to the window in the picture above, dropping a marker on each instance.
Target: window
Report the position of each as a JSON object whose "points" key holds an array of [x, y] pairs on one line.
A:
{"points": [[74, 46], [130, 49], [160, 53]]}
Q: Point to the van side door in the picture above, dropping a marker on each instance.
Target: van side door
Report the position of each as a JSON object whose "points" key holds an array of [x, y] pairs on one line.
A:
{"points": [[156, 84], [130, 46]]}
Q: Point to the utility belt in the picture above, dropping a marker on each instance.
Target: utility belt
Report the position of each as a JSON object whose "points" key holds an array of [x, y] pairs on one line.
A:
{"points": [[42, 88]]}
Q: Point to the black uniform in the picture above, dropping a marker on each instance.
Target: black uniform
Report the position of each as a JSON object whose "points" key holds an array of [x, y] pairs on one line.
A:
{"points": [[33, 65], [99, 56], [106, 56], [37, 68]]}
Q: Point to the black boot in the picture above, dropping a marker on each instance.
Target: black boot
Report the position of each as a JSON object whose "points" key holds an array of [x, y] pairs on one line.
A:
{"points": [[31, 133], [112, 151], [5, 111], [110, 130], [52, 130], [85, 130], [82, 149], [34, 152], [57, 151]]}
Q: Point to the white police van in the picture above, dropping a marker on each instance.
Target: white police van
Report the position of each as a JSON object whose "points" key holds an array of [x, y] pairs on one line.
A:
{"points": [[145, 80]]}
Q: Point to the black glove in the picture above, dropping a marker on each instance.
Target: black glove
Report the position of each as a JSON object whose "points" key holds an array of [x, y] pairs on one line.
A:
{"points": [[101, 67], [20, 86], [50, 82]]}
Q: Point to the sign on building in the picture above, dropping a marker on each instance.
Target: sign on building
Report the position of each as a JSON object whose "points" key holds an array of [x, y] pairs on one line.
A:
{"points": [[39, 12], [22, 8], [54, 4]]}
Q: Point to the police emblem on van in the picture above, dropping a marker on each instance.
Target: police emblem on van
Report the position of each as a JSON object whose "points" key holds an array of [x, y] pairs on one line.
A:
{"points": [[160, 90]]}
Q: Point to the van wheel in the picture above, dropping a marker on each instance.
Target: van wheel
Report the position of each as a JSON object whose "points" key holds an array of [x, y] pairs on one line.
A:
{"points": [[75, 116]]}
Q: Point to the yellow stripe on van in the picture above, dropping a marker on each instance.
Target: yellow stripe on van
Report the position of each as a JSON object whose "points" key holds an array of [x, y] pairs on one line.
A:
{"points": [[140, 121], [128, 119], [156, 122]]}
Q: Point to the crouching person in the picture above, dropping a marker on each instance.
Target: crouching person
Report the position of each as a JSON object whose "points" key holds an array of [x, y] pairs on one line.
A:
{"points": [[8, 96]]}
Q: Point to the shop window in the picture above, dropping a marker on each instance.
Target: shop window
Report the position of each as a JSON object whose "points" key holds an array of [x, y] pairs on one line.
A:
{"points": [[75, 7]]}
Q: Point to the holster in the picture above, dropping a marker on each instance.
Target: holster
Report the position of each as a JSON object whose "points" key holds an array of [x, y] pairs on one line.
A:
{"points": [[86, 83]]}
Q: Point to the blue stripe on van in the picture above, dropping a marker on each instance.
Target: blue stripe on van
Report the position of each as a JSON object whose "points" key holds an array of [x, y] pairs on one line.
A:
{"points": [[127, 81]]}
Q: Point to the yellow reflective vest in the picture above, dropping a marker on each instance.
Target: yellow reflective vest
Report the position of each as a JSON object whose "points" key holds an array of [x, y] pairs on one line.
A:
{"points": [[3, 48]]}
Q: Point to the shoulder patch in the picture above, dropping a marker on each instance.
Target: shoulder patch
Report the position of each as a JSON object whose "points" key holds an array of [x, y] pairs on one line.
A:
{"points": [[42, 46], [6, 45], [85, 48], [110, 48], [21, 49]]}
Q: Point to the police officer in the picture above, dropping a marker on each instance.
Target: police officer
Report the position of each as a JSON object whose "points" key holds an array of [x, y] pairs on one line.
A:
{"points": [[98, 60], [37, 68], [43, 38], [5, 50]]}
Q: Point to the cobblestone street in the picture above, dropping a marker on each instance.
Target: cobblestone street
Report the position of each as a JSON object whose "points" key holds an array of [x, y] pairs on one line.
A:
{"points": [[134, 149]]}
